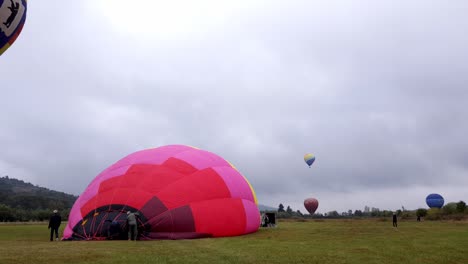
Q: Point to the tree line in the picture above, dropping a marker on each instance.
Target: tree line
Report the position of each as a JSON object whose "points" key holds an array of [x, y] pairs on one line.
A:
{"points": [[21, 201], [456, 211]]}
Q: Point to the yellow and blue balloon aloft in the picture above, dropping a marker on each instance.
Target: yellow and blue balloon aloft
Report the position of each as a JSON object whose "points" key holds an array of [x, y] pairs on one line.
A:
{"points": [[12, 18], [309, 159]]}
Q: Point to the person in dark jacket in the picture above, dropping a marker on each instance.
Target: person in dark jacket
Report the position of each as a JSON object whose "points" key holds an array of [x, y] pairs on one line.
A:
{"points": [[394, 220], [54, 224], [114, 230]]}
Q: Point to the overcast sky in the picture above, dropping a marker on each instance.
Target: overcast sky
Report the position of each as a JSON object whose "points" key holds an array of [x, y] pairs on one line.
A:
{"points": [[376, 90]]}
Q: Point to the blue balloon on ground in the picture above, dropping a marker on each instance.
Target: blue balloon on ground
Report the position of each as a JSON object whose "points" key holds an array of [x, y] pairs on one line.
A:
{"points": [[435, 200]]}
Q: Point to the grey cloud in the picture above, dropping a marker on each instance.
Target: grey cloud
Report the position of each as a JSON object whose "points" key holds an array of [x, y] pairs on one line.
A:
{"points": [[375, 90]]}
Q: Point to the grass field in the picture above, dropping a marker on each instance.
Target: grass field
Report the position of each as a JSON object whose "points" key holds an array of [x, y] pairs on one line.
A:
{"points": [[329, 241]]}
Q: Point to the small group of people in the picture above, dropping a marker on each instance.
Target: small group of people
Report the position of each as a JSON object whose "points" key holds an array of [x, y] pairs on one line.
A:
{"points": [[55, 221], [116, 232], [395, 221]]}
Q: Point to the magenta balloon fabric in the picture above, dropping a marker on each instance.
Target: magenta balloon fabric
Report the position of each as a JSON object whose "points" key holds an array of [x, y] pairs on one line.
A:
{"points": [[178, 192]]}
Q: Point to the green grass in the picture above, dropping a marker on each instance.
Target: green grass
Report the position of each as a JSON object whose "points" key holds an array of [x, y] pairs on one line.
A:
{"points": [[329, 241]]}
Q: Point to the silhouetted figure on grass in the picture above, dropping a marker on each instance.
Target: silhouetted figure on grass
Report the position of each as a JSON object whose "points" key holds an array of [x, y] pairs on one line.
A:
{"points": [[394, 220], [54, 224]]}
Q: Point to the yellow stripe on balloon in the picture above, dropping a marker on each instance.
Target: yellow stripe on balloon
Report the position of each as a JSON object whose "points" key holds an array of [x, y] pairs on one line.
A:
{"points": [[192, 147], [253, 192], [231, 165], [7, 45], [250, 186]]}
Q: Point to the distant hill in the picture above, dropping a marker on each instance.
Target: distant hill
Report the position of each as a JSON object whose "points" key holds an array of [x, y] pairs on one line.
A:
{"points": [[262, 207], [17, 194]]}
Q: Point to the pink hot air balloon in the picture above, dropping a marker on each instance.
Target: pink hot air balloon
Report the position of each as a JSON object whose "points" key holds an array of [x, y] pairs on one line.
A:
{"points": [[311, 204], [178, 191]]}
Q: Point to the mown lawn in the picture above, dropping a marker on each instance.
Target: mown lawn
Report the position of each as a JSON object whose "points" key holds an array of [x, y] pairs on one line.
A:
{"points": [[329, 241]]}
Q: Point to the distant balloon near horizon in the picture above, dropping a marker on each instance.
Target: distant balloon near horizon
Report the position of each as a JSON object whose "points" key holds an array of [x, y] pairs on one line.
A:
{"points": [[435, 200], [311, 204], [12, 18], [309, 159]]}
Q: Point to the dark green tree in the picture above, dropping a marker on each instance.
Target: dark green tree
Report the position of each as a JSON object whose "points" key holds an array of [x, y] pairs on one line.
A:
{"points": [[6, 213], [421, 212], [333, 214], [289, 210], [358, 213], [280, 208], [450, 208], [461, 206]]}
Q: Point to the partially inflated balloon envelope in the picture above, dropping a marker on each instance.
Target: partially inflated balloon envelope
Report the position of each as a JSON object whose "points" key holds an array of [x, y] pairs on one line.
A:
{"points": [[178, 192], [12, 18], [309, 159], [311, 204], [435, 200]]}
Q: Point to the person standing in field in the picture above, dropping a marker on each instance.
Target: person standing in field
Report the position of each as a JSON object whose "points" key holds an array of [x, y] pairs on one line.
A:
{"points": [[132, 225], [54, 224], [395, 220], [265, 220]]}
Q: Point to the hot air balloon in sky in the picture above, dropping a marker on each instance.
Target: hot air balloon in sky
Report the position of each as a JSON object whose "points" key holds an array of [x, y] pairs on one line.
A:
{"points": [[12, 18], [178, 191], [435, 200], [311, 204], [309, 159]]}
